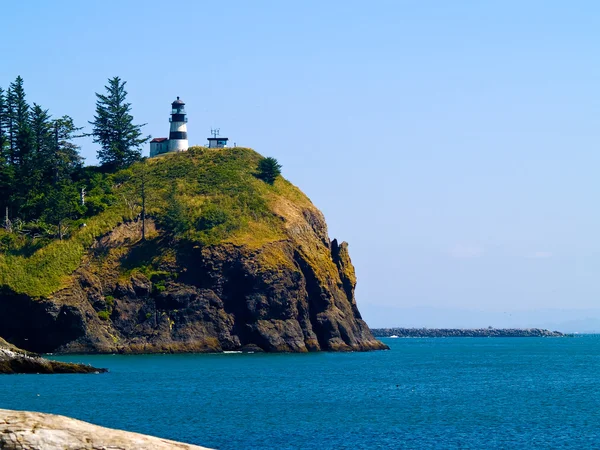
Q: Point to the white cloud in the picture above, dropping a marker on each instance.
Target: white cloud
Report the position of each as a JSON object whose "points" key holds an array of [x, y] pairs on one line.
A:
{"points": [[466, 251]]}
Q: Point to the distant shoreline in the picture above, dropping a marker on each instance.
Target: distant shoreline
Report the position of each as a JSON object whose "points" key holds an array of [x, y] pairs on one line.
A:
{"points": [[465, 332]]}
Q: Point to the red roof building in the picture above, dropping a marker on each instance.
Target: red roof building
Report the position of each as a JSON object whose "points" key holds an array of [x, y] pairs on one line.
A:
{"points": [[158, 146]]}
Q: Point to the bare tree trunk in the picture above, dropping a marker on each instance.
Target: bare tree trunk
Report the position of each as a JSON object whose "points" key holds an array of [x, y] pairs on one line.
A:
{"points": [[7, 223]]}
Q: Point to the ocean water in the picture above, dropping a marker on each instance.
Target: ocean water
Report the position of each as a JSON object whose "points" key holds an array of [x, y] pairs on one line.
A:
{"points": [[423, 393]]}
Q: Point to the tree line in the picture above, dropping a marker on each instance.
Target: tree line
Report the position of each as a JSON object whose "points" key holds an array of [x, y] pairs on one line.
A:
{"points": [[42, 176]]}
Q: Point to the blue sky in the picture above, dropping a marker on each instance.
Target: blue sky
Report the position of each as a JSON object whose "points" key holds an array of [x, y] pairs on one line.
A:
{"points": [[454, 145]]}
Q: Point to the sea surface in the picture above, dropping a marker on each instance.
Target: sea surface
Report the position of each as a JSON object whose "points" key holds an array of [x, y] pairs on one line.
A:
{"points": [[423, 393]]}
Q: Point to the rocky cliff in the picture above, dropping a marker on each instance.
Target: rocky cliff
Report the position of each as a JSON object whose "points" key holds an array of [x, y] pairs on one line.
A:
{"points": [[229, 263]]}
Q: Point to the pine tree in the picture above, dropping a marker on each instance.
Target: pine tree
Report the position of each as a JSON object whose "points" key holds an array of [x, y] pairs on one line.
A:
{"points": [[43, 143], [62, 205], [21, 144], [19, 125], [10, 128], [3, 126], [268, 170], [6, 178], [119, 138], [65, 157], [41, 129]]}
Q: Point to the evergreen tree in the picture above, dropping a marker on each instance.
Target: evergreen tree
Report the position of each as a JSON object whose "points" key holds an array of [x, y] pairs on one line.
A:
{"points": [[268, 170], [32, 186], [43, 143], [119, 138], [3, 126], [65, 158], [41, 129], [21, 144], [19, 125], [6, 178], [9, 126], [62, 206]]}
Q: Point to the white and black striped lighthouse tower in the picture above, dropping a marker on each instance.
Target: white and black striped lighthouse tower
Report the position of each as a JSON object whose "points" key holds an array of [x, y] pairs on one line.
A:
{"points": [[178, 140]]}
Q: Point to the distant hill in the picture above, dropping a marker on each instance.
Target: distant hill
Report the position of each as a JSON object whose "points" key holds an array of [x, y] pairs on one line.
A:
{"points": [[230, 263]]}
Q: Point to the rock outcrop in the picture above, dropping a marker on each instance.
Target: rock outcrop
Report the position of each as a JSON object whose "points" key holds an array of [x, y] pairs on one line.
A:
{"points": [[21, 430], [14, 360]]}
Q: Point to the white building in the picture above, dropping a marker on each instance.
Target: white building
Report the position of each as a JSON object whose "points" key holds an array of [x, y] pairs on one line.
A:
{"points": [[217, 141], [178, 140], [158, 146]]}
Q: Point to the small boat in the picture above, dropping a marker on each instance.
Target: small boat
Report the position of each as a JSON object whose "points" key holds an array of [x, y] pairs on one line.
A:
{"points": [[393, 336]]}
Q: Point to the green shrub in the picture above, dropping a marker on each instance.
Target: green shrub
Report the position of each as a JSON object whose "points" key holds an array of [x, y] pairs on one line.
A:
{"points": [[211, 216], [158, 276], [122, 176], [176, 217], [94, 206], [104, 315]]}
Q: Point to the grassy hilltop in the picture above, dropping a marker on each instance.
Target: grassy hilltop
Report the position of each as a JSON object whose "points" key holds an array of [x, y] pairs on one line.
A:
{"points": [[203, 197]]}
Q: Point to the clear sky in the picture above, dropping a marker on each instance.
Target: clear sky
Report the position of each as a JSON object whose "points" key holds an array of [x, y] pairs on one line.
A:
{"points": [[453, 144]]}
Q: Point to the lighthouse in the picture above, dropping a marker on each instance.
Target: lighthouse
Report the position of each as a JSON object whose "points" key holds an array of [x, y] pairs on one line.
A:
{"points": [[178, 141]]}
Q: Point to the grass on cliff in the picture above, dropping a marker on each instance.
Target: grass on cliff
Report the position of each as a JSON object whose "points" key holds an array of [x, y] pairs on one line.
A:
{"points": [[203, 196]]}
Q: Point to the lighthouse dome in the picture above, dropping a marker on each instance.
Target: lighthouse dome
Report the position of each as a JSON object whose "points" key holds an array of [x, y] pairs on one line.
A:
{"points": [[177, 103]]}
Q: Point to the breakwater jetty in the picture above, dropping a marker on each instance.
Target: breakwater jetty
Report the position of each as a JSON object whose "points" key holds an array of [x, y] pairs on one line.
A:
{"points": [[465, 332]]}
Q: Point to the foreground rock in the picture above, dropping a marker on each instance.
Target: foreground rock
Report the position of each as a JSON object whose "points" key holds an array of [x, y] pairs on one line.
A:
{"points": [[14, 360], [465, 332], [21, 430]]}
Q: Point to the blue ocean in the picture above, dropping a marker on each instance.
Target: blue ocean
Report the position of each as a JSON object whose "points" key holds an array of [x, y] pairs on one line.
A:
{"points": [[423, 393]]}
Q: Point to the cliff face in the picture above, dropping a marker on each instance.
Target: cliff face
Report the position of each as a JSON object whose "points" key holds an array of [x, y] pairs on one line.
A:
{"points": [[292, 291]]}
